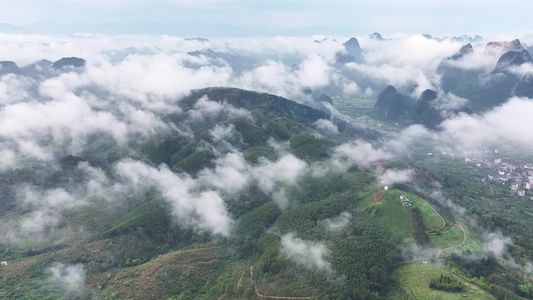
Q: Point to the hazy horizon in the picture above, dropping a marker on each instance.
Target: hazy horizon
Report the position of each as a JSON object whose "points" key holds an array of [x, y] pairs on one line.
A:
{"points": [[440, 18]]}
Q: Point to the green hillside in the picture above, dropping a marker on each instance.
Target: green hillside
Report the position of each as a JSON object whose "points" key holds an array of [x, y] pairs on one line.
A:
{"points": [[241, 196]]}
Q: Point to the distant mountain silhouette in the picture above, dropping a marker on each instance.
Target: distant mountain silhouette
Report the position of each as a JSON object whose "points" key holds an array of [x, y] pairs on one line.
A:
{"points": [[504, 46], [524, 88], [467, 39], [427, 113], [354, 53], [424, 112], [39, 66], [390, 105], [429, 110], [7, 67], [512, 58], [483, 89], [464, 51], [376, 36], [69, 62], [198, 39]]}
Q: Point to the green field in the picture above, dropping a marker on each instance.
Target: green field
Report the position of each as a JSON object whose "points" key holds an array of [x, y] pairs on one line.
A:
{"points": [[452, 238], [412, 282], [355, 107], [432, 219], [394, 216], [472, 243], [360, 110]]}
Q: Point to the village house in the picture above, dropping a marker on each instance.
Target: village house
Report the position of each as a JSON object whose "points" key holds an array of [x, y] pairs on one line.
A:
{"points": [[518, 183]]}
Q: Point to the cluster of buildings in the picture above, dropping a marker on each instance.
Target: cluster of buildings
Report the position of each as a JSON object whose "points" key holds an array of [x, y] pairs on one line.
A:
{"points": [[520, 176]]}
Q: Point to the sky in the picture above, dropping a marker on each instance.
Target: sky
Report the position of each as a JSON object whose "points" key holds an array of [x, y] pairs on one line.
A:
{"points": [[450, 17]]}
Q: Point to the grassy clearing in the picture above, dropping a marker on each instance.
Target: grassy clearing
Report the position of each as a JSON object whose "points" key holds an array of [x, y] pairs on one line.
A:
{"points": [[431, 218], [412, 282], [472, 243], [452, 238], [394, 216]]}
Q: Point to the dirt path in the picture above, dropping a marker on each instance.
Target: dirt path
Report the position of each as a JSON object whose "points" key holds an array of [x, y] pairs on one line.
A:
{"points": [[438, 214], [443, 221], [379, 195], [240, 280], [462, 242]]}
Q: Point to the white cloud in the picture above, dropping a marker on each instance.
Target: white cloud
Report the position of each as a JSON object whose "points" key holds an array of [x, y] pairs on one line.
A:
{"points": [[497, 243], [230, 174], [193, 208], [326, 125], [339, 222], [287, 169], [361, 153], [309, 254], [70, 277], [205, 108], [506, 126], [393, 176], [220, 132], [48, 199], [14, 88]]}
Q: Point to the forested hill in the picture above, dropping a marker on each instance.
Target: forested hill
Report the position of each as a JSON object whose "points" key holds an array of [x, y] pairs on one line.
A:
{"points": [[254, 101], [231, 194], [171, 212]]}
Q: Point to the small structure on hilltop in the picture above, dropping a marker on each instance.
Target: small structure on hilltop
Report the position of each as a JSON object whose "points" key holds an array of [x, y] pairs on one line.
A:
{"points": [[405, 201]]}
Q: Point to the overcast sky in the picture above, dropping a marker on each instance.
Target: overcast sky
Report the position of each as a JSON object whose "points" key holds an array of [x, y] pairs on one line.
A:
{"points": [[438, 17]]}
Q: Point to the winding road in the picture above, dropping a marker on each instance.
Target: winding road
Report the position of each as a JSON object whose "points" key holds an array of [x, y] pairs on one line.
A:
{"points": [[464, 239]]}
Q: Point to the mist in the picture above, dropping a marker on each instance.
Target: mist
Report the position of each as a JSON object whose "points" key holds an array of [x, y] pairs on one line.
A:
{"points": [[86, 127]]}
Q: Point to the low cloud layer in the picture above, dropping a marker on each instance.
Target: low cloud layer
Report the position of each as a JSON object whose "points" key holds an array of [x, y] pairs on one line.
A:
{"points": [[308, 254], [69, 277], [392, 176], [505, 126], [131, 85], [201, 209], [362, 153], [339, 222]]}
